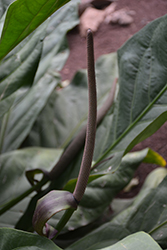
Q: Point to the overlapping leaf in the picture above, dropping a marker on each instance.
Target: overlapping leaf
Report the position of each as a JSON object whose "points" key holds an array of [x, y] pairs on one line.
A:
{"points": [[135, 241], [66, 111], [141, 65], [19, 120], [13, 239], [13, 182], [19, 68], [23, 17], [24, 113], [99, 193], [141, 107], [3, 6], [142, 215]]}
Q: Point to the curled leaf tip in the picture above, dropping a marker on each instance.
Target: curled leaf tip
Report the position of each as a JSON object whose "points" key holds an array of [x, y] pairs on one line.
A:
{"points": [[50, 232], [49, 205]]}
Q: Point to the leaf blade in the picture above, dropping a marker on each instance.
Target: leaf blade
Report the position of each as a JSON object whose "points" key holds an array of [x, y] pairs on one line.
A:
{"points": [[22, 18], [24, 240]]}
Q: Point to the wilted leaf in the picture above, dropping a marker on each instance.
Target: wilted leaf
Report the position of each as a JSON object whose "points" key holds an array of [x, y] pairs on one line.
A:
{"points": [[52, 203]]}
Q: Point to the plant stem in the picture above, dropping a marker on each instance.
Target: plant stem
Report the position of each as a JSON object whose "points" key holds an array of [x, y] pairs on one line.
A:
{"points": [[78, 142], [63, 221], [90, 135], [24, 195], [69, 154], [91, 125]]}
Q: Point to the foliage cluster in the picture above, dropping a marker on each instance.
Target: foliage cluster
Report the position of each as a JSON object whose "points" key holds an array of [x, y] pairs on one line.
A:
{"points": [[39, 118]]}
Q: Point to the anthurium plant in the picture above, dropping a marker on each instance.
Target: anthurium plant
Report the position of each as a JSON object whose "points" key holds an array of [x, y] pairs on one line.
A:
{"points": [[65, 151]]}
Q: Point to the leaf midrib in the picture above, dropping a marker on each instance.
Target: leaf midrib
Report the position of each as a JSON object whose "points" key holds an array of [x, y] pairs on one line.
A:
{"points": [[29, 24], [133, 124]]}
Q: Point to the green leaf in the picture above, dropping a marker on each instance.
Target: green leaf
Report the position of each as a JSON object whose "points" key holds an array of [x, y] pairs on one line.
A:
{"points": [[23, 17], [100, 192], [154, 158], [117, 134], [98, 195], [13, 182], [55, 48], [141, 106], [132, 159], [19, 68], [49, 205], [143, 215], [70, 112], [5, 106], [136, 241], [22, 115], [13, 239]]}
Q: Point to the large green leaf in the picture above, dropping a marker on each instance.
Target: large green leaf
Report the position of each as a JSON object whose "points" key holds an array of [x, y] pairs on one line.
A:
{"points": [[55, 48], [18, 122], [13, 182], [141, 106], [5, 106], [135, 241], [11, 239], [23, 17], [143, 215], [19, 68]]}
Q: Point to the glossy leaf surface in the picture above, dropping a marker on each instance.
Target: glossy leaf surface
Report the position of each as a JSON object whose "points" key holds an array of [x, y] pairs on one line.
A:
{"points": [[23, 17], [21, 117]]}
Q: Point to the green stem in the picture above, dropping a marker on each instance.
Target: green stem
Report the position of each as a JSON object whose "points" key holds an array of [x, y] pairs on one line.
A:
{"points": [[158, 227], [24, 195], [63, 221]]}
